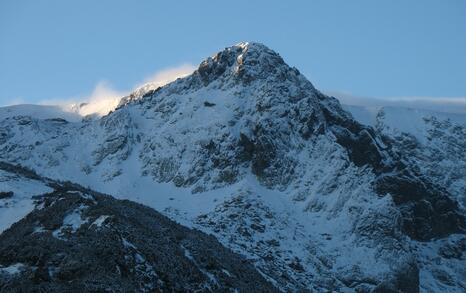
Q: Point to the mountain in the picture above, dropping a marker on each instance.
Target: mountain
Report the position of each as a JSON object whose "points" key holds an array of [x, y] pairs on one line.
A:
{"points": [[246, 149]]}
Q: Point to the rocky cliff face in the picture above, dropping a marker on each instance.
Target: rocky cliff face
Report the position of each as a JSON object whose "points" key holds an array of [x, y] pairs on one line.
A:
{"points": [[247, 149]]}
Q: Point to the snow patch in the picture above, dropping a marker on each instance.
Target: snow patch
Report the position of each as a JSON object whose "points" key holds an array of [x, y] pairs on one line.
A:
{"points": [[12, 269], [71, 222], [99, 221]]}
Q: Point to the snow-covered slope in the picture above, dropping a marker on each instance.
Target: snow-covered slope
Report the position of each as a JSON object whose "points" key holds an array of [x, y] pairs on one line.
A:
{"points": [[247, 149], [16, 196]]}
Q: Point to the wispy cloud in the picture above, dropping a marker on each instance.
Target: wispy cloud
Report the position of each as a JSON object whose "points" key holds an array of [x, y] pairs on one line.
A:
{"points": [[438, 104], [168, 75], [105, 98], [102, 100]]}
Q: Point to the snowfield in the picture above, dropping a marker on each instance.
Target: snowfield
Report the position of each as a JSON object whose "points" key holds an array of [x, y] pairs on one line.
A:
{"points": [[20, 202]]}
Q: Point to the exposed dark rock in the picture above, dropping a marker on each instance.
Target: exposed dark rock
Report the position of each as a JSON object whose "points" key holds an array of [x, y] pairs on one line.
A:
{"points": [[405, 280], [58, 120], [6, 194], [208, 104], [247, 148], [428, 212], [212, 68], [360, 141], [18, 169], [296, 265]]}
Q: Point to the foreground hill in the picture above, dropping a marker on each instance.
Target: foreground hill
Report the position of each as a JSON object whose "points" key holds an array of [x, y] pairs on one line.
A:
{"points": [[76, 240]]}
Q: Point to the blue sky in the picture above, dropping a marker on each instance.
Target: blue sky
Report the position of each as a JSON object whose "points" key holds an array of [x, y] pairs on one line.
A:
{"points": [[55, 50]]}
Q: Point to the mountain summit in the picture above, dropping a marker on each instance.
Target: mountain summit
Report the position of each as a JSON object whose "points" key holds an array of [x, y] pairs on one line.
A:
{"points": [[246, 149], [246, 62]]}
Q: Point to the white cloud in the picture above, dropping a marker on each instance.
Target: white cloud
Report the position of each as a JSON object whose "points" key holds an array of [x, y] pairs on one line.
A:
{"points": [[438, 104], [168, 75], [104, 98]]}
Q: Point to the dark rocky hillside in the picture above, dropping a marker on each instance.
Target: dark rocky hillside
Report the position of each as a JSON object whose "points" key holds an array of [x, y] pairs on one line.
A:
{"points": [[77, 240]]}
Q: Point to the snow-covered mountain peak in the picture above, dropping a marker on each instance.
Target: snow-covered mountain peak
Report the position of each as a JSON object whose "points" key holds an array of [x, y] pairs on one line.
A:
{"points": [[247, 149], [247, 64], [245, 106]]}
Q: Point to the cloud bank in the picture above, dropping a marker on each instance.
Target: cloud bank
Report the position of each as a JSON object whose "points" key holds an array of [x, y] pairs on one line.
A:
{"points": [[437, 104]]}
